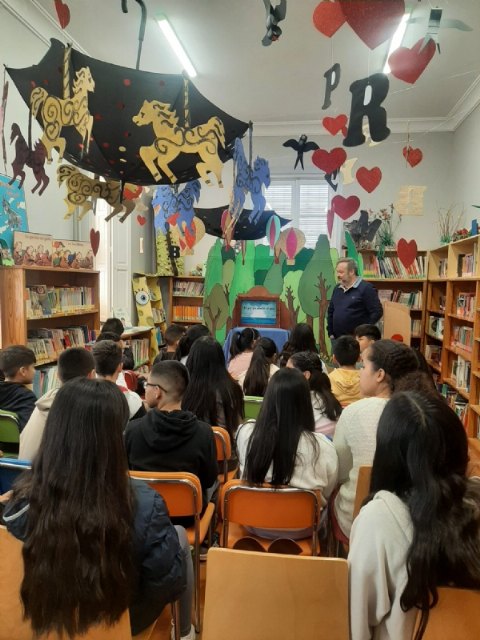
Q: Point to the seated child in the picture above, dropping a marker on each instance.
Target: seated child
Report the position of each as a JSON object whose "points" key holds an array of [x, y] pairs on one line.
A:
{"points": [[173, 333], [115, 325], [366, 334], [345, 380], [17, 364]]}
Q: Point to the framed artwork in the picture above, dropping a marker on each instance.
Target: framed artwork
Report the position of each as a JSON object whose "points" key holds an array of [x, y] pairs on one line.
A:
{"points": [[13, 215], [32, 249]]}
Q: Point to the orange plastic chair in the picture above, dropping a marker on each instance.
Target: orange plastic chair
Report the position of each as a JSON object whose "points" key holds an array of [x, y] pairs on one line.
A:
{"points": [[224, 451], [131, 379], [268, 507], [455, 616], [252, 596], [363, 487], [182, 493]]}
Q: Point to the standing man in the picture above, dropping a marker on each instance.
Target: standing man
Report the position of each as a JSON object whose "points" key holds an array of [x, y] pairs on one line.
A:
{"points": [[353, 301]]}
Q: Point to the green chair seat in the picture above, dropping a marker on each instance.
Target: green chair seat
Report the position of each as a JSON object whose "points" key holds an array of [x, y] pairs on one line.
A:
{"points": [[9, 433]]}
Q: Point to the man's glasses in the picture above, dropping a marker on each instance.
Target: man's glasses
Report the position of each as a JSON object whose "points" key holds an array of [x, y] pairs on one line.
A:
{"points": [[152, 384]]}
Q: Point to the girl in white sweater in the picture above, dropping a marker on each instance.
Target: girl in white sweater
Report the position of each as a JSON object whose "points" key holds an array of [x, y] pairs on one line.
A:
{"points": [[281, 447], [385, 362], [421, 527]]}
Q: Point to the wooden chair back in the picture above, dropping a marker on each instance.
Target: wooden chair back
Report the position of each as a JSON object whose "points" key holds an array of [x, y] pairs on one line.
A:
{"points": [[455, 616], [224, 450], [12, 624], [267, 596], [252, 406], [9, 433], [363, 488]]}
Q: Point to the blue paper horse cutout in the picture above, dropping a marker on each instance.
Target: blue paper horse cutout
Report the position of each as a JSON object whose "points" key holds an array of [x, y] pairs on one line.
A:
{"points": [[248, 180], [175, 208]]}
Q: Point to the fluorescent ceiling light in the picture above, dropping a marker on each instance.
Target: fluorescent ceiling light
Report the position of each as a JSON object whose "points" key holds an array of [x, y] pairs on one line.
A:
{"points": [[396, 41], [176, 45]]}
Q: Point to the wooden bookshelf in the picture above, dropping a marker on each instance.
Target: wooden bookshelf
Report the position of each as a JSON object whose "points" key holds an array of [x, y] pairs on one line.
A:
{"points": [[14, 322], [185, 296], [452, 323], [138, 339]]}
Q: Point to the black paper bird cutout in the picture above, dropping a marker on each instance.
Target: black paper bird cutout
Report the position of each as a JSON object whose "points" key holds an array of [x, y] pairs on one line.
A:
{"points": [[274, 16], [244, 229], [301, 146], [361, 229]]}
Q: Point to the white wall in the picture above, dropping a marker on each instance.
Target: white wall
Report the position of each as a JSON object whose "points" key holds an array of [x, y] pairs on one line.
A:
{"points": [[464, 167]]}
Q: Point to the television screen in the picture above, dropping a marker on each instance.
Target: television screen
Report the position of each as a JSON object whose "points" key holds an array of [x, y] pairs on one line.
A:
{"points": [[258, 313]]}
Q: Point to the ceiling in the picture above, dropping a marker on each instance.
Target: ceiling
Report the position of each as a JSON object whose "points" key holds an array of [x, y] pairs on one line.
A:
{"points": [[282, 83]]}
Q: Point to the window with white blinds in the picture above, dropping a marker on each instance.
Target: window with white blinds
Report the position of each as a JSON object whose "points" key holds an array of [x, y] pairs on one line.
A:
{"points": [[305, 202]]}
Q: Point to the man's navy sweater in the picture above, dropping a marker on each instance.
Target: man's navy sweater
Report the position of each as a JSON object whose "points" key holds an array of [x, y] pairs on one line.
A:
{"points": [[357, 305]]}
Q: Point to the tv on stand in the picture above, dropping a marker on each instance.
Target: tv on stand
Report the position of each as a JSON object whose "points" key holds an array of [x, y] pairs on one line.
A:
{"points": [[258, 311]]}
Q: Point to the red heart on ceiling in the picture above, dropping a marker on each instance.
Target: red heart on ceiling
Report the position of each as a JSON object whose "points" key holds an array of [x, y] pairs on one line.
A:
{"points": [[141, 220], [369, 179], [63, 13], [334, 125], [409, 64], [412, 156], [328, 18], [373, 21], [345, 207], [407, 252], [330, 215], [94, 240], [329, 161]]}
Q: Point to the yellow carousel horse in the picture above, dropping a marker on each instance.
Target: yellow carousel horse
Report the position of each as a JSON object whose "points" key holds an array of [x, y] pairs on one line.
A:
{"points": [[64, 112], [171, 140]]}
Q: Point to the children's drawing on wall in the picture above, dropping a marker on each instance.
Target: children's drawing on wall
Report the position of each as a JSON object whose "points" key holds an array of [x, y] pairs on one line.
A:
{"points": [[13, 215]]}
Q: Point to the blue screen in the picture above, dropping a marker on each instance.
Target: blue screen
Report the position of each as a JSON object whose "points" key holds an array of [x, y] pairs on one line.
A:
{"points": [[258, 312]]}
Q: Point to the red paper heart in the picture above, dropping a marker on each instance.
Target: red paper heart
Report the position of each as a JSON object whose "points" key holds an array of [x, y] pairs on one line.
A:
{"points": [[330, 215], [131, 191], [94, 240], [412, 156], [407, 252], [141, 220], [373, 21], [328, 18], [329, 161], [369, 179], [345, 207], [63, 13], [409, 64], [334, 125]]}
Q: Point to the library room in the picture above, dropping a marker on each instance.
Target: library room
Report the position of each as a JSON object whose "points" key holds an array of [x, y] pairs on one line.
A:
{"points": [[240, 319]]}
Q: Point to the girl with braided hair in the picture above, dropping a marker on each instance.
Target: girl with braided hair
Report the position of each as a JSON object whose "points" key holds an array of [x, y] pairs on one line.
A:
{"points": [[385, 362]]}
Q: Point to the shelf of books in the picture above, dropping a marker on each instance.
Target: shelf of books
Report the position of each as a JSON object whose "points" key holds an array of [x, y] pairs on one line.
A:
{"points": [[138, 339], [186, 299], [395, 283], [48, 309], [452, 327]]}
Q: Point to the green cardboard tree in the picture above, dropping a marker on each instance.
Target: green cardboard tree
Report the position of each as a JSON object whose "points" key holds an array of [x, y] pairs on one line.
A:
{"points": [[214, 268], [243, 277], [290, 297], [315, 289], [216, 310], [274, 278], [262, 263]]}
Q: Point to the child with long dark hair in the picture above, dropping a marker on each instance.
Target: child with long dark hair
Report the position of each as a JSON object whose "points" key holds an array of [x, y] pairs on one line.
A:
{"points": [[95, 543], [241, 351], [186, 342], [261, 369], [420, 528], [326, 408], [212, 395], [301, 339], [281, 446]]}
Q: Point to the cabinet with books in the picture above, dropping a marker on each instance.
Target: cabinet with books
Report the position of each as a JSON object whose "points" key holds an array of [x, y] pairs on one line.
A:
{"points": [[186, 299], [48, 309], [395, 283], [138, 339], [474, 406]]}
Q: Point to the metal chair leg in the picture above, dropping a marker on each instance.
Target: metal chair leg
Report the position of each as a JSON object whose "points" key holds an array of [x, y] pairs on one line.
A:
{"points": [[197, 587], [175, 606]]}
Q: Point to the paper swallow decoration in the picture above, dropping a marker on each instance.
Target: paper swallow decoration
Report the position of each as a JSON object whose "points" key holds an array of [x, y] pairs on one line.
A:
{"points": [[301, 146], [274, 16]]}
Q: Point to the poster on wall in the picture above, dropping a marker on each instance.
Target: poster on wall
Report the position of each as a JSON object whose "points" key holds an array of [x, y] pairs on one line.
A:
{"points": [[72, 254], [32, 249], [13, 215]]}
